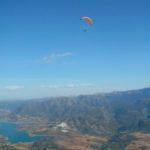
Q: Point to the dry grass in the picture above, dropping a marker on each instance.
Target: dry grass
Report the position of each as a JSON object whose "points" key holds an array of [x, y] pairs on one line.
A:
{"points": [[79, 142], [142, 142]]}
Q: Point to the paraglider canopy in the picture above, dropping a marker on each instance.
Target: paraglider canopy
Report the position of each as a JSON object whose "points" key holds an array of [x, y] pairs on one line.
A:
{"points": [[87, 23], [88, 20]]}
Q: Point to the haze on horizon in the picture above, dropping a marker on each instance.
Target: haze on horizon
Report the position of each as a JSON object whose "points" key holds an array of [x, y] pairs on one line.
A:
{"points": [[44, 52]]}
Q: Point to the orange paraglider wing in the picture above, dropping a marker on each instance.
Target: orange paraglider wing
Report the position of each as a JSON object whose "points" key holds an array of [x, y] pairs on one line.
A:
{"points": [[88, 20]]}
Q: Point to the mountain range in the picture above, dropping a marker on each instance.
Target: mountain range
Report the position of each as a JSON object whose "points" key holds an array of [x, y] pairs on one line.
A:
{"points": [[97, 114]]}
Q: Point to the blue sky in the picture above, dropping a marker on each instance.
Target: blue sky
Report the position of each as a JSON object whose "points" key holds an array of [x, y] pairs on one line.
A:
{"points": [[44, 52]]}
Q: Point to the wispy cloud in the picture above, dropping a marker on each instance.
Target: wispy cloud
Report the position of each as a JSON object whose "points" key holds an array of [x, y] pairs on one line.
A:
{"points": [[72, 85], [55, 56], [13, 87]]}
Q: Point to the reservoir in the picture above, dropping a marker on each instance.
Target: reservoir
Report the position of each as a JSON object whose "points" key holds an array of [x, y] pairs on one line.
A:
{"points": [[11, 132]]}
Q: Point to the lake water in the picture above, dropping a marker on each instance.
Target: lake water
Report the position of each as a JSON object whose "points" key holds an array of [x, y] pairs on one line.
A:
{"points": [[10, 131]]}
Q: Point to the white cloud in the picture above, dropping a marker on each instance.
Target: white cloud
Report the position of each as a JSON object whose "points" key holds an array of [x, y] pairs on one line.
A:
{"points": [[66, 54], [72, 85], [55, 56], [50, 86], [13, 87]]}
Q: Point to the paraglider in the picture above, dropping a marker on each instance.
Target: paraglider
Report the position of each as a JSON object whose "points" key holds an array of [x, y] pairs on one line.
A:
{"points": [[87, 23]]}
